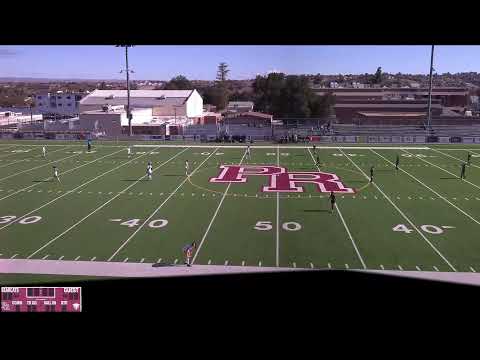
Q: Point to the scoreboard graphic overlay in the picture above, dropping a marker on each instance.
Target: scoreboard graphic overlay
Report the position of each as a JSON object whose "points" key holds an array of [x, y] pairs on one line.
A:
{"points": [[41, 299]]}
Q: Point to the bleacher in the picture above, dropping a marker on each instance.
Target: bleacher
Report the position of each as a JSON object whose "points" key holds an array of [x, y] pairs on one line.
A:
{"points": [[199, 130], [404, 130]]}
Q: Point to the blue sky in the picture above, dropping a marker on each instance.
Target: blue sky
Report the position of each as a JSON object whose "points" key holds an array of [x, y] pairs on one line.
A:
{"points": [[200, 62]]}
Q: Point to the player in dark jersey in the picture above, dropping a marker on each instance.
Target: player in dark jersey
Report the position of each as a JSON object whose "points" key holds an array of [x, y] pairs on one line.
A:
{"points": [[314, 149], [89, 145], [318, 160], [188, 252], [371, 174], [462, 173], [397, 161], [469, 156], [332, 201]]}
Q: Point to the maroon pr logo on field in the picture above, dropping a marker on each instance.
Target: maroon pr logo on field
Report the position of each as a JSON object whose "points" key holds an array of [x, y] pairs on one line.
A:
{"points": [[281, 180]]}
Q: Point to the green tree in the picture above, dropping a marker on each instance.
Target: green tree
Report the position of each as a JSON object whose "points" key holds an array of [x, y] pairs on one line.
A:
{"points": [[179, 82], [289, 96], [378, 77], [103, 86], [222, 72]]}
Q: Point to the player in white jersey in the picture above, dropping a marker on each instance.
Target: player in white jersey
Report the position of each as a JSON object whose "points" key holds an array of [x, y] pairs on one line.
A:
{"points": [[248, 152], [186, 167], [55, 173], [44, 151], [149, 172], [129, 151]]}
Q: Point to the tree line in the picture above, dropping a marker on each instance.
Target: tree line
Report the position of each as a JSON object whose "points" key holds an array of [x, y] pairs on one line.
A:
{"points": [[276, 93]]}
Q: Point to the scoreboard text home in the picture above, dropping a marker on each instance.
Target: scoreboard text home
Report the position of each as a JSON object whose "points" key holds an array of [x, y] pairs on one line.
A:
{"points": [[41, 299]]}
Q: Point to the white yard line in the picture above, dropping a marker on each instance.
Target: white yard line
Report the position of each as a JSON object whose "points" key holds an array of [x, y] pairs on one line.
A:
{"points": [[63, 173], [158, 208], [343, 221], [453, 157], [214, 216], [350, 236], [28, 159], [13, 153], [37, 167], [8, 147], [277, 248], [401, 212], [429, 188], [100, 207], [66, 193], [445, 170]]}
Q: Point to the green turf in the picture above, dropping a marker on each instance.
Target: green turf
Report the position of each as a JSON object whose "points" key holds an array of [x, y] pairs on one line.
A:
{"points": [[98, 187]]}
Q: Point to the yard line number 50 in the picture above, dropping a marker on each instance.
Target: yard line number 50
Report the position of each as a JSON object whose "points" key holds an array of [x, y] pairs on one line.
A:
{"points": [[267, 225]]}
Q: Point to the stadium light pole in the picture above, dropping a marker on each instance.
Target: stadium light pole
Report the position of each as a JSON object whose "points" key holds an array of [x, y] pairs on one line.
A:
{"points": [[129, 114], [429, 120]]}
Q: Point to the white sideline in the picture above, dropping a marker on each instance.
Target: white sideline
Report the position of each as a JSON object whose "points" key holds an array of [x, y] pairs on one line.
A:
{"points": [[343, 221], [429, 188], [214, 215], [445, 170], [158, 208], [290, 147], [68, 192], [100, 207], [401, 213], [63, 173]]}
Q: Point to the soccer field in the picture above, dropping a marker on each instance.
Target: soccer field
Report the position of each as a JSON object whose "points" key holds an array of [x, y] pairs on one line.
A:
{"points": [[422, 217]]}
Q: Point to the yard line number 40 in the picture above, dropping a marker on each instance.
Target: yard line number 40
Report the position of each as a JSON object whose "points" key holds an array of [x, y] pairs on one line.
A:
{"points": [[154, 224], [430, 229]]}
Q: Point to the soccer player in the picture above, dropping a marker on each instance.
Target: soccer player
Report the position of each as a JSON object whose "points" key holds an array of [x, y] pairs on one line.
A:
{"points": [[318, 161], [149, 171], [55, 173], [44, 151], [397, 161], [89, 145], [469, 156], [462, 174], [371, 173], [188, 252], [248, 152], [186, 167], [332, 201], [314, 149], [129, 151]]}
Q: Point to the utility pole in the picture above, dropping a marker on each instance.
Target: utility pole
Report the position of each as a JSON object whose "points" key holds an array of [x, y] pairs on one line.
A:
{"points": [[128, 71], [429, 122]]}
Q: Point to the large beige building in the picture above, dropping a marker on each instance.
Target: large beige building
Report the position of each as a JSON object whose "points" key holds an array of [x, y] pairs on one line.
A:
{"points": [[169, 103]]}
